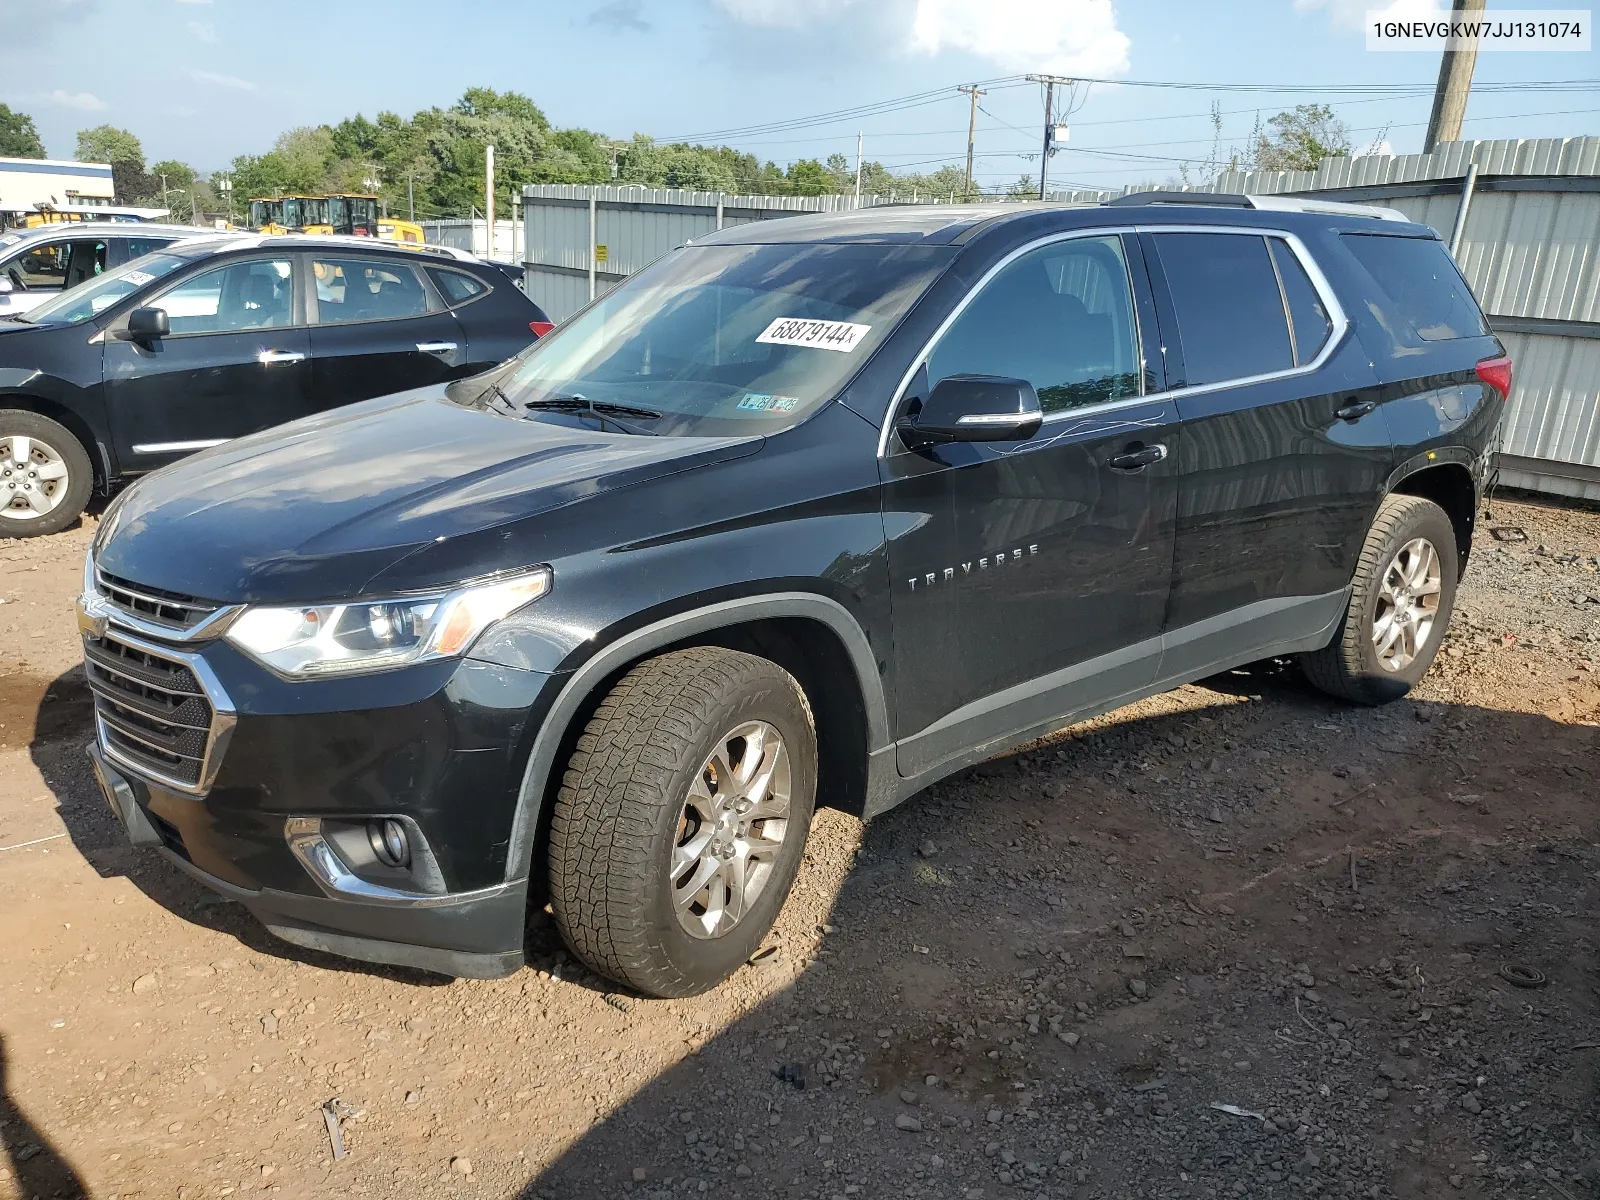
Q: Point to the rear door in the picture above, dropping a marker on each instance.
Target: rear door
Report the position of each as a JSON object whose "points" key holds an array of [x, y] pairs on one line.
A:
{"points": [[236, 361], [377, 327], [496, 317], [1283, 450]]}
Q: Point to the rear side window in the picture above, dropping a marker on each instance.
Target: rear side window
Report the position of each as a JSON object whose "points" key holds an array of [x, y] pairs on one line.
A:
{"points": [[456, 287], [1309, 323], [1230, 312], [1421, 281], [354, 289], [147, 245]]}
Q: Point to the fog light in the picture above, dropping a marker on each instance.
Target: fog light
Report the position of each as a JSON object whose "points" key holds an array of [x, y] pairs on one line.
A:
{"points": [[389, 842]]}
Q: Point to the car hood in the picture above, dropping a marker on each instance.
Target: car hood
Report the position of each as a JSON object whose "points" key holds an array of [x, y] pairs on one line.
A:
{"points": [[314, 510]]}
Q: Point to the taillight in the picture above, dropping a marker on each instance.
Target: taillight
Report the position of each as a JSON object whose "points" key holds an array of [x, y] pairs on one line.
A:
{"points": [[1496, 372], [540, 328]]}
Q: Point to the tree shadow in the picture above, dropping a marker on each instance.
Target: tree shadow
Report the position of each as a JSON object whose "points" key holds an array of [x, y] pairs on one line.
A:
{"points": [[37, 1168], [902, 1058], [61, 727]]}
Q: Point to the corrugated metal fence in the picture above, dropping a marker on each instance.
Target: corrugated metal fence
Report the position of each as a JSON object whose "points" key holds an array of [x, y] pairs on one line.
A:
{"points": [[1530, 247]]}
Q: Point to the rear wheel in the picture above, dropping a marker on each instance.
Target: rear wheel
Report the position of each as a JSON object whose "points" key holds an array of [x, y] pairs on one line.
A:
{"points": [[45, 475], [682, 819], [1400, 604]]}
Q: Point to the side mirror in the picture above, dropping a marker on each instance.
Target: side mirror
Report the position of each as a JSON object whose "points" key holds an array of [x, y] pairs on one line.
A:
{"points": [[148, 324], [975, 408]]}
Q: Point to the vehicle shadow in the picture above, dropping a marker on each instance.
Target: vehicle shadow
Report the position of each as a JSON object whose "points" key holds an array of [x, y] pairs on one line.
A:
{"points": [[37, 1167], [902, 1058], [62, 728]]}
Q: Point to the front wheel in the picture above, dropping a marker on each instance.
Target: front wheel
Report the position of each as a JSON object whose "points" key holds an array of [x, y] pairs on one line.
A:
{"points": [[1400, 603], [45, 475], [682, 819]]}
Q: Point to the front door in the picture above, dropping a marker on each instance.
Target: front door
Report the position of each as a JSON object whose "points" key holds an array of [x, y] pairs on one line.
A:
{"points": [[236, 362], [1284, 449], [377, 329], [1030, 578]]}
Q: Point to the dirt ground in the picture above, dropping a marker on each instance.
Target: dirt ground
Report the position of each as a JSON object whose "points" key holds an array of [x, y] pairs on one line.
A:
{"points": [[1238, 940]]}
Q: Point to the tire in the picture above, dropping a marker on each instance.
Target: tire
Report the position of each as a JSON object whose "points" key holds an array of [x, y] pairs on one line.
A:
{"points": [[643, 815], [1359, 664], [45, 475]]}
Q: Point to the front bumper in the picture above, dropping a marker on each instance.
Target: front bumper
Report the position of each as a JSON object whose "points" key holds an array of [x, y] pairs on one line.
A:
{"points": [[476, 934], [439, 747]]}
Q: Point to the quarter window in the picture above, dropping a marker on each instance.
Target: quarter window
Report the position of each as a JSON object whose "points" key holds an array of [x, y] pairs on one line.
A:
{"points": [[1421, 281], [354, 289], [1060, 317], [145, 245], [241, 295], [457, 287], [1308, 316], [1230, 311]]}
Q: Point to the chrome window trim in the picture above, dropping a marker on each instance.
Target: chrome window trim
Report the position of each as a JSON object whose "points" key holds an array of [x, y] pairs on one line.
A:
{"points": [[223, 719], [1319, 281]]}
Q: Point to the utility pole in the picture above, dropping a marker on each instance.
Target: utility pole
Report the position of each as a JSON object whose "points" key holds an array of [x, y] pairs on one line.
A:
{"points": [[411, 196], [858, 168], [972, 129], [488, 197], [1455, 81], [1050, 84]]}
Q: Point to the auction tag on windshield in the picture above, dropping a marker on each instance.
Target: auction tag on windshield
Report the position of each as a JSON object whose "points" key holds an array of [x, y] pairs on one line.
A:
{"points": [[138, 278], [10, 239], [821, 335]]}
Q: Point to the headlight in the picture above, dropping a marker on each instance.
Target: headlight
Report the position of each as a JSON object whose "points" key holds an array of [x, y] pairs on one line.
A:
{"points": [[373, 635]]}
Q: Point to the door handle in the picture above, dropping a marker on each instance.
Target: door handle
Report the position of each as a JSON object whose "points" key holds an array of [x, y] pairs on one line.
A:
{"points": [[437, 347], [1354, 412], [1137, 458], [267, 357]]}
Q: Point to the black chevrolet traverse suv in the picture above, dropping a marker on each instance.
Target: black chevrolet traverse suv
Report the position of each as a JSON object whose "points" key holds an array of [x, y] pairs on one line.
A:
{"points": [[207, 340], [812, 510]]}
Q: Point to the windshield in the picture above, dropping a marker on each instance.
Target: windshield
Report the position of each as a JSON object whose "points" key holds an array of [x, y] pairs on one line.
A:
{"points": [[93, 297], [717, 341]]}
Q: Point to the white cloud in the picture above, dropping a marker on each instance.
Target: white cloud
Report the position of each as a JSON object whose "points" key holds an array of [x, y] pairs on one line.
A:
{"points": [[1068, 36], [204, 30], [1073, 37], [1352, 14], [82, 101], [221, 80]]}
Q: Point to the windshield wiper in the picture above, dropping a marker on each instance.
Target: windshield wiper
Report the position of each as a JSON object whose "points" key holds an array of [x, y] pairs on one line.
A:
{"points": [[604, 409]]}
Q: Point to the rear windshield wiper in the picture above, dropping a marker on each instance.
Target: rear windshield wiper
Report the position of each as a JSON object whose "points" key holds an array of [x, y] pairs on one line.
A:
{"points": [[600, 408]]}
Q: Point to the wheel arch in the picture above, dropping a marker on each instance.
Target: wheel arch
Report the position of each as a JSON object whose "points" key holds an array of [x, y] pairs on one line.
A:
{"points": [[1451, 485], [74, 424], [811, 636]]}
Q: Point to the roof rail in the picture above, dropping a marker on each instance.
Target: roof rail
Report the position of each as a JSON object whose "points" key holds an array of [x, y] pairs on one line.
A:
{"points": [[1274, 203]]}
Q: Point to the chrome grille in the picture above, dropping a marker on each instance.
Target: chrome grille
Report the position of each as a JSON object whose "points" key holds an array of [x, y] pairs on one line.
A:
{"points": [[155, 605], [151, 710]]}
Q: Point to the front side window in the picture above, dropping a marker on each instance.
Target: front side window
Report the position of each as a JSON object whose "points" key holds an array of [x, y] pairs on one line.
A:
{"points": [[1229, 308], [86, 258], [1422, 284], [717, 341], [356, 289], [257, 294], [1060, 317], [104, 291], [40, 267]]}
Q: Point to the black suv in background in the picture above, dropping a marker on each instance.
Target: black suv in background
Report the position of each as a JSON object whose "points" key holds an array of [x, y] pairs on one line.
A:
{"points": [[204, 341], [820, 509]]}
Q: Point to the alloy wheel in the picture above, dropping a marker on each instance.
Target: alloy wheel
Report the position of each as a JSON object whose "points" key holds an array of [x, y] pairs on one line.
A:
{"points": [[1408, 604], [730, 830], [33, 477]]}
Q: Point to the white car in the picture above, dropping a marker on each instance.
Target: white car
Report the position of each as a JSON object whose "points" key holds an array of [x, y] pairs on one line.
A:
{"points": [[36, 264]]}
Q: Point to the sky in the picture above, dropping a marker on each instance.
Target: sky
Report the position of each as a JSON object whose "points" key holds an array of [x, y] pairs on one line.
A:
{"points": [[204, 80]]}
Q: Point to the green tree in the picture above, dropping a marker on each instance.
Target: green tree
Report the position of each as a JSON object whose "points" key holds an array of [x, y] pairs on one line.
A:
{"points": [[18, 137], [808, 177], [1298, 140], [108, 144]]}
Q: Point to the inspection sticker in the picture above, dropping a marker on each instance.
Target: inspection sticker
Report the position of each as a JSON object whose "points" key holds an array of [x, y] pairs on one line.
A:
{"points": [[822, 335], [763, 402], [10, 239], [138, 278]]}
